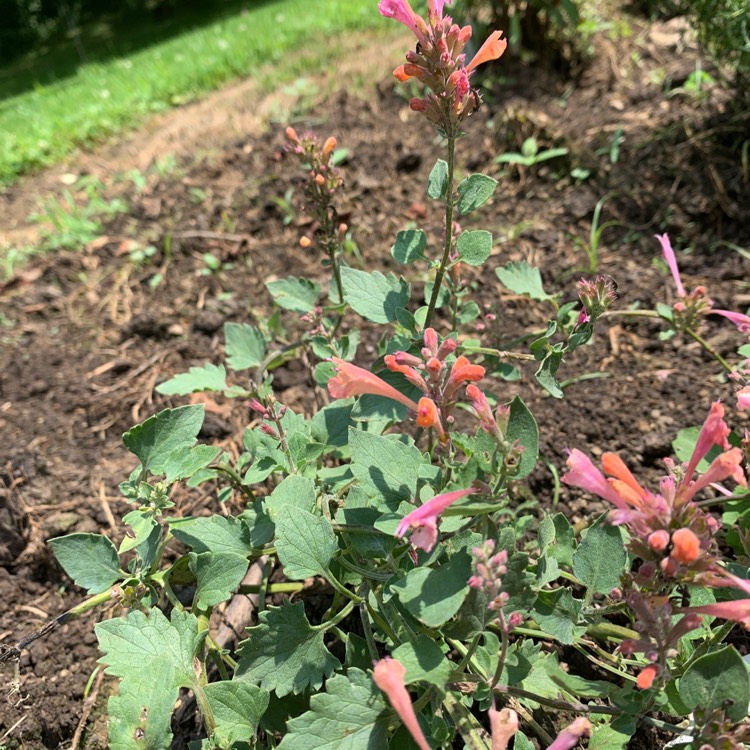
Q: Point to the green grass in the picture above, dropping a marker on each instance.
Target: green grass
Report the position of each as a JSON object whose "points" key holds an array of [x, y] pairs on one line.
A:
{"points": [[39, 127]]}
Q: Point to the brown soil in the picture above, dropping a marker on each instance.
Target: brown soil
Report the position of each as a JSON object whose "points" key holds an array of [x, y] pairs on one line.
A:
{"points": [[89, 338]]}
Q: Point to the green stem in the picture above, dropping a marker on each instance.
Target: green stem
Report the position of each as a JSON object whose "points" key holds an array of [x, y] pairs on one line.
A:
{"points": [[469, 652], [366, 627], [336, 619], [202, 680], [503, 650], [560, 705], [709, 349], [448, 233], [631, 314], [338, 586], [273, 588], [499, 353]]}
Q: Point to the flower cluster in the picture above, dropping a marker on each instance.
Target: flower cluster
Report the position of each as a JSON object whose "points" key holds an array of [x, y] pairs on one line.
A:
{"points": [[322, 183], [439, 382], [689, 307], [672, 538], [596, 296], [440, 63], [489, 567]]}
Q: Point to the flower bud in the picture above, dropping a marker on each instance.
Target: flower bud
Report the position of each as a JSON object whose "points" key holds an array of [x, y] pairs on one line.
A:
{"points": [[686, 546], [328, 146], [291, 134], [319, 179], [305, 242], [658, 540]]}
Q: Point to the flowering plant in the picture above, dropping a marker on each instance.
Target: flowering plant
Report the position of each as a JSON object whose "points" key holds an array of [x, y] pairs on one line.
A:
{"points": [[453, 609]]}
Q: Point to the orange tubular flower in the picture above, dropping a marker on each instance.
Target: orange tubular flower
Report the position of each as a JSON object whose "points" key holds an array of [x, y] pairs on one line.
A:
{"points": [[388, 675], [428, 416], [351, 380], [492, 48], [686, 547]]}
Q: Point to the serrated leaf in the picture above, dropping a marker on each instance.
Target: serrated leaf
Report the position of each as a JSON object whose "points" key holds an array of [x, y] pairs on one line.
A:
{"points": [[207, 378], [557, 613], [237, 708], [140, 715], [184, 463], [474, 247], [600, 557], [330, 425], [424, 661], [245, 346], [297, 295], [218, 575], [522, 427], [384, 465], [437, 182], [521, 278], [284, 653], [614, 736], [212, 534], [160, 439], [374, 296], [409, 246], [294, 490], [433, 596], [350, 715], [305, 543], [474, 191], [89, 559], [138, 647], [715, 680]]}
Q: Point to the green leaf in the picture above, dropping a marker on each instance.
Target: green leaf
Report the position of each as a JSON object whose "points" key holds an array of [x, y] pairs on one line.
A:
{"points": [[557, 613], [614, 736], [521, 278], [374, 296], [330, 425], [744, 351], [600, 557], [350, 715], [522, 427], [294, 490], [545, 375], [237, 708], [474, 191], [409, 246], [218, 575], [245, 346], [184, 463], [684, 444], [138, 647], [305, 543], [433, 596], [284, 653], [715, 680], [212, 534], [424, 661], [142, 523], [474, 247], [160, 440], [297, 295], [207, 378], [385, 465], [437, 182], [140, 715], [89, 559]]}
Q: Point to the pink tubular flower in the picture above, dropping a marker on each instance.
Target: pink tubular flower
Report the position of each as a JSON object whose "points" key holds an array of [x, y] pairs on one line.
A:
{"points": [[569, 736], [582, 473], [388, 675], [435, 10], [400, 10], [669, 257], [741, 321], [351, 380], [736, 611], [503, 725], [713, 432], [492, 48], [743, 398], [423, 520]]}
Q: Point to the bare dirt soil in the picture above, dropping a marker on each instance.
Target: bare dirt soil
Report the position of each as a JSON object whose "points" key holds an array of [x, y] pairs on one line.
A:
{"points": [[88, 337]]}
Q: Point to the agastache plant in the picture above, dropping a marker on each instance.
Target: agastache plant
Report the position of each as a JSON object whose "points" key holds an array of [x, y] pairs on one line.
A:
{"points": [[406, 582]]}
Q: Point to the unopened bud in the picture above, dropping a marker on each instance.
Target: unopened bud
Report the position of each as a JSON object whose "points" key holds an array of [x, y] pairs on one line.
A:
{"points": [[328, 146], [291, 134], [659, 540], [418, 105], [305, 242], [515, 620], [319, 179], [269, 431], [686, 546]]}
